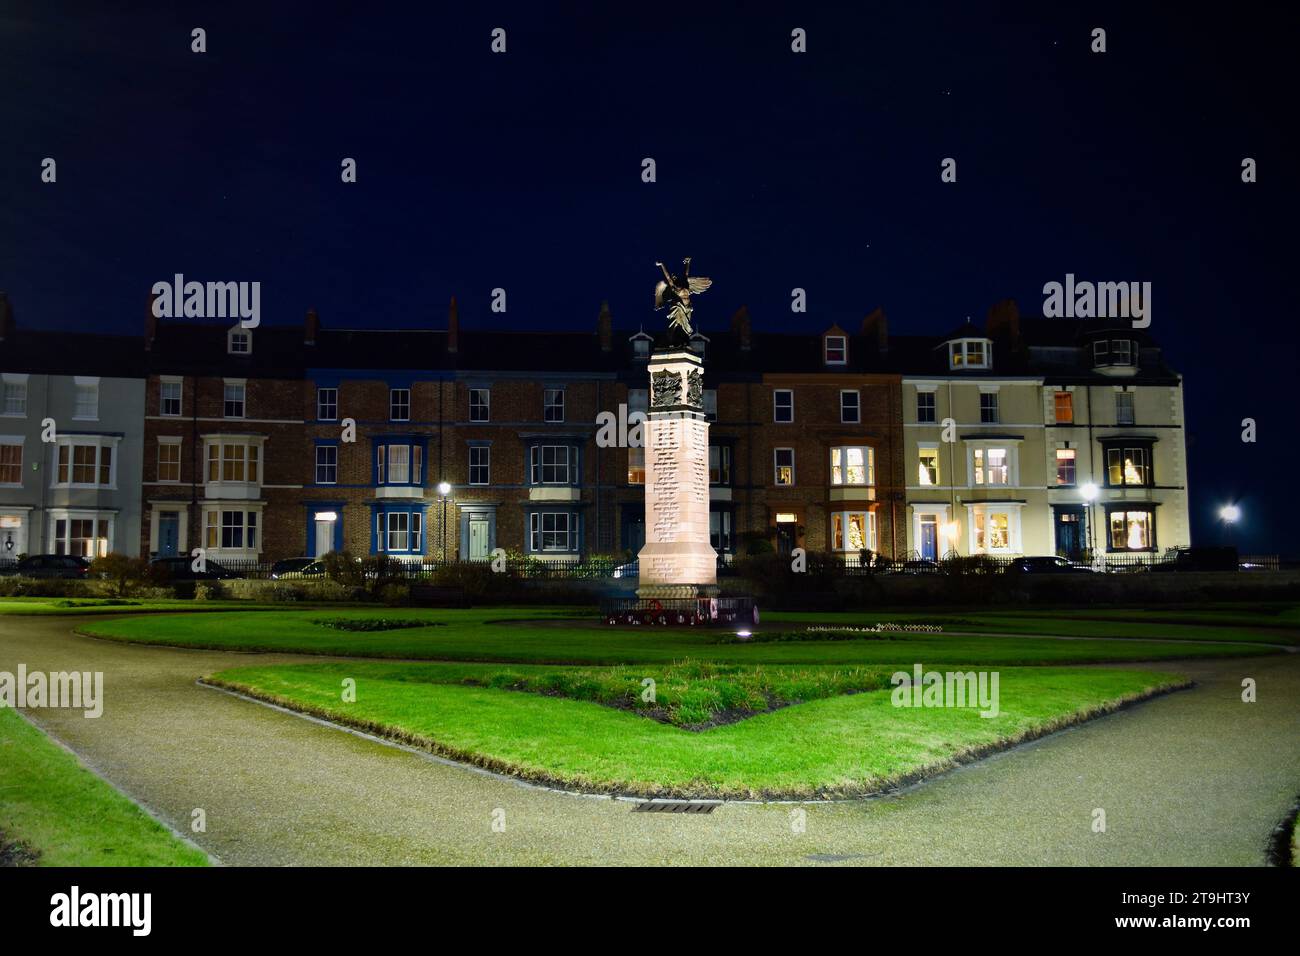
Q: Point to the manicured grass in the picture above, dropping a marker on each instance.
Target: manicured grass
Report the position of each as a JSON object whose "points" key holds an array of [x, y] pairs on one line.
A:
{"points": [[67, 816], [23, 606], [496, 634], [840, 745]]}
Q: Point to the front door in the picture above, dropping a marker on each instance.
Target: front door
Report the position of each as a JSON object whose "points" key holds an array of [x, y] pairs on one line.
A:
{"points": [[324, 538], [785, 537], [929, 537], [480, 542], [1069, 534], [169, 533]]}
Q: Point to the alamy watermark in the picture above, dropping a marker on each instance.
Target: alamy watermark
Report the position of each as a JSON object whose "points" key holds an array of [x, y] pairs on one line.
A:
{"points": [[1098, 300], [208, 300], [924, 688], [76, 690]]}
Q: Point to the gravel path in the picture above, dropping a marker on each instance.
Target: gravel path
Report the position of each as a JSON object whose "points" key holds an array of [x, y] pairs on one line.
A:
{"points": [[1195, 778]]}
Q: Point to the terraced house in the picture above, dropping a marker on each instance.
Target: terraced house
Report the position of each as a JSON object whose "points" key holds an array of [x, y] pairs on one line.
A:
{"points": [[1021, 436], [1042, 436]]}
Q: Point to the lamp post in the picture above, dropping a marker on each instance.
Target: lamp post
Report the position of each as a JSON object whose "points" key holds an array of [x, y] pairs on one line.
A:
{"points": [[1089, 493], [444, 492]]}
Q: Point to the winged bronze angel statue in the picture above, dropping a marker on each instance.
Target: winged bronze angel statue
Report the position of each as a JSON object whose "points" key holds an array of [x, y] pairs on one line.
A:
{"points": [[674, 293]]}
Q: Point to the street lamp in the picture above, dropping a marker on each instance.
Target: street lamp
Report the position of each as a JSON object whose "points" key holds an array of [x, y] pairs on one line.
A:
{"points": [[1090, 492], [444, 492], [1228, 516]]}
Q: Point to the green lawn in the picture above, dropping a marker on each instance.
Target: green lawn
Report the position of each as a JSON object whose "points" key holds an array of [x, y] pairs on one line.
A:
{"points": [[840, 745], [22, 606], [56, 809], [495, 634]]}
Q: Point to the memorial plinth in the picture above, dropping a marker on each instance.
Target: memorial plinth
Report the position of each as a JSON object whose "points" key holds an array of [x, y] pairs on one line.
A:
{"points": [[677, 560]]}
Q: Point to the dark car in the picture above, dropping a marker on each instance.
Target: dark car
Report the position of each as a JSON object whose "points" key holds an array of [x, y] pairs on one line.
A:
{"points": [[182, 569], [1046, 565], [50, 566], [297, 568], [1198, 559]]}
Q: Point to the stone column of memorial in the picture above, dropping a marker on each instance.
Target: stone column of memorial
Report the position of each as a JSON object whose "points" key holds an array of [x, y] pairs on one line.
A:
{"points": [[677, 561]]}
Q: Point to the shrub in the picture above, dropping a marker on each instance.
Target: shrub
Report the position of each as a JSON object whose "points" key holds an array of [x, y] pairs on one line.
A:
{"points": [[123, 573], [208, 591], [395, 594]]}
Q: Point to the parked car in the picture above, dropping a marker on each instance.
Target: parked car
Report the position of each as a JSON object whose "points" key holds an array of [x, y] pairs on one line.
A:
{"points": [[295, 568], [1046, 565], [182, 569], [50, 566], [1198, 559]]}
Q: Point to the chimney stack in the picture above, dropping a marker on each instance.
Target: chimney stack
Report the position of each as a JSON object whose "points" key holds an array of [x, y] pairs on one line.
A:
{"points": [[311, 327], [453, 326], [150, 322], [1004, 323], [6, 317], [740, 327], [875, 328], [605, 326]]}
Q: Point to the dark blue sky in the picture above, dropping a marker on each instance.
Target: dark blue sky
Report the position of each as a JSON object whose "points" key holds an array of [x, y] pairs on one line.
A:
{"points": [[775, 170]]}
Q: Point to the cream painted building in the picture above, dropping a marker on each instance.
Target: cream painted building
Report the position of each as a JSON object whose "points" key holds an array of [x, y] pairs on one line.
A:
{"points": [[1041, 437]]}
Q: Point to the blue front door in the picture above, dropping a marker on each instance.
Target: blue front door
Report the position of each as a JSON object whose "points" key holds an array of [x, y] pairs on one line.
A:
{"points": [[169, 527], [929, 537]]}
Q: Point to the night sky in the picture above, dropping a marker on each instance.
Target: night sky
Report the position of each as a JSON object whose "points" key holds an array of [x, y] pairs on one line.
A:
{"points": [[775, 170]]}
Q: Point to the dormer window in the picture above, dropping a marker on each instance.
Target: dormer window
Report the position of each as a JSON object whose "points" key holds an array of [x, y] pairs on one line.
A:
{"points": [[970, 353], [1120, 353], [239, 341], [836, 349], [641, 344], [698, 344]]}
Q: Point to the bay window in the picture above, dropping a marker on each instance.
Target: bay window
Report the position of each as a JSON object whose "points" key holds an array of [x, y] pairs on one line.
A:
{"points": [[399, 462], [234, 461], [553, 465], [719, 464], [81, 534], [1131, 529], [853, 465], [399, 530], [553, 532], [1128, 465], [991, 466], [853, 531], [228, 528], [85, 462]]}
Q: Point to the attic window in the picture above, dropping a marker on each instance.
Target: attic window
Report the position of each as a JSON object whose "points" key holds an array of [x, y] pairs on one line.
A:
{"points": [[239, 341], [698, 343], [837, 349], [641, 345], [970, 353]]}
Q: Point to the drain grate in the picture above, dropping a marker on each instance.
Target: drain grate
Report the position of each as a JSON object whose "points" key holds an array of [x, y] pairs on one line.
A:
{"points": [[674, 806]]}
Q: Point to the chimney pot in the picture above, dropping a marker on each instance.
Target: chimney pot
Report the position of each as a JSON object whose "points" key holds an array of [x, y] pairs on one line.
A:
{"points": [[453, 326], [311, 327], [605, 327], [740, 327]]}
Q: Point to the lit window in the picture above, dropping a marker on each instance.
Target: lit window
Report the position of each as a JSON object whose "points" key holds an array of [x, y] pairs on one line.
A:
{"points": [[11, 464], [853, 530], [169, 461], [992, 531], [1128, 466], [850, 407], [1131, 531], [84, 463], [837, 350], [928, 470], [83, 537], [784, 458], [970, 353], [232, 461], [1065, 460], [991, 466], [852, 465], [1064, 408]]}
